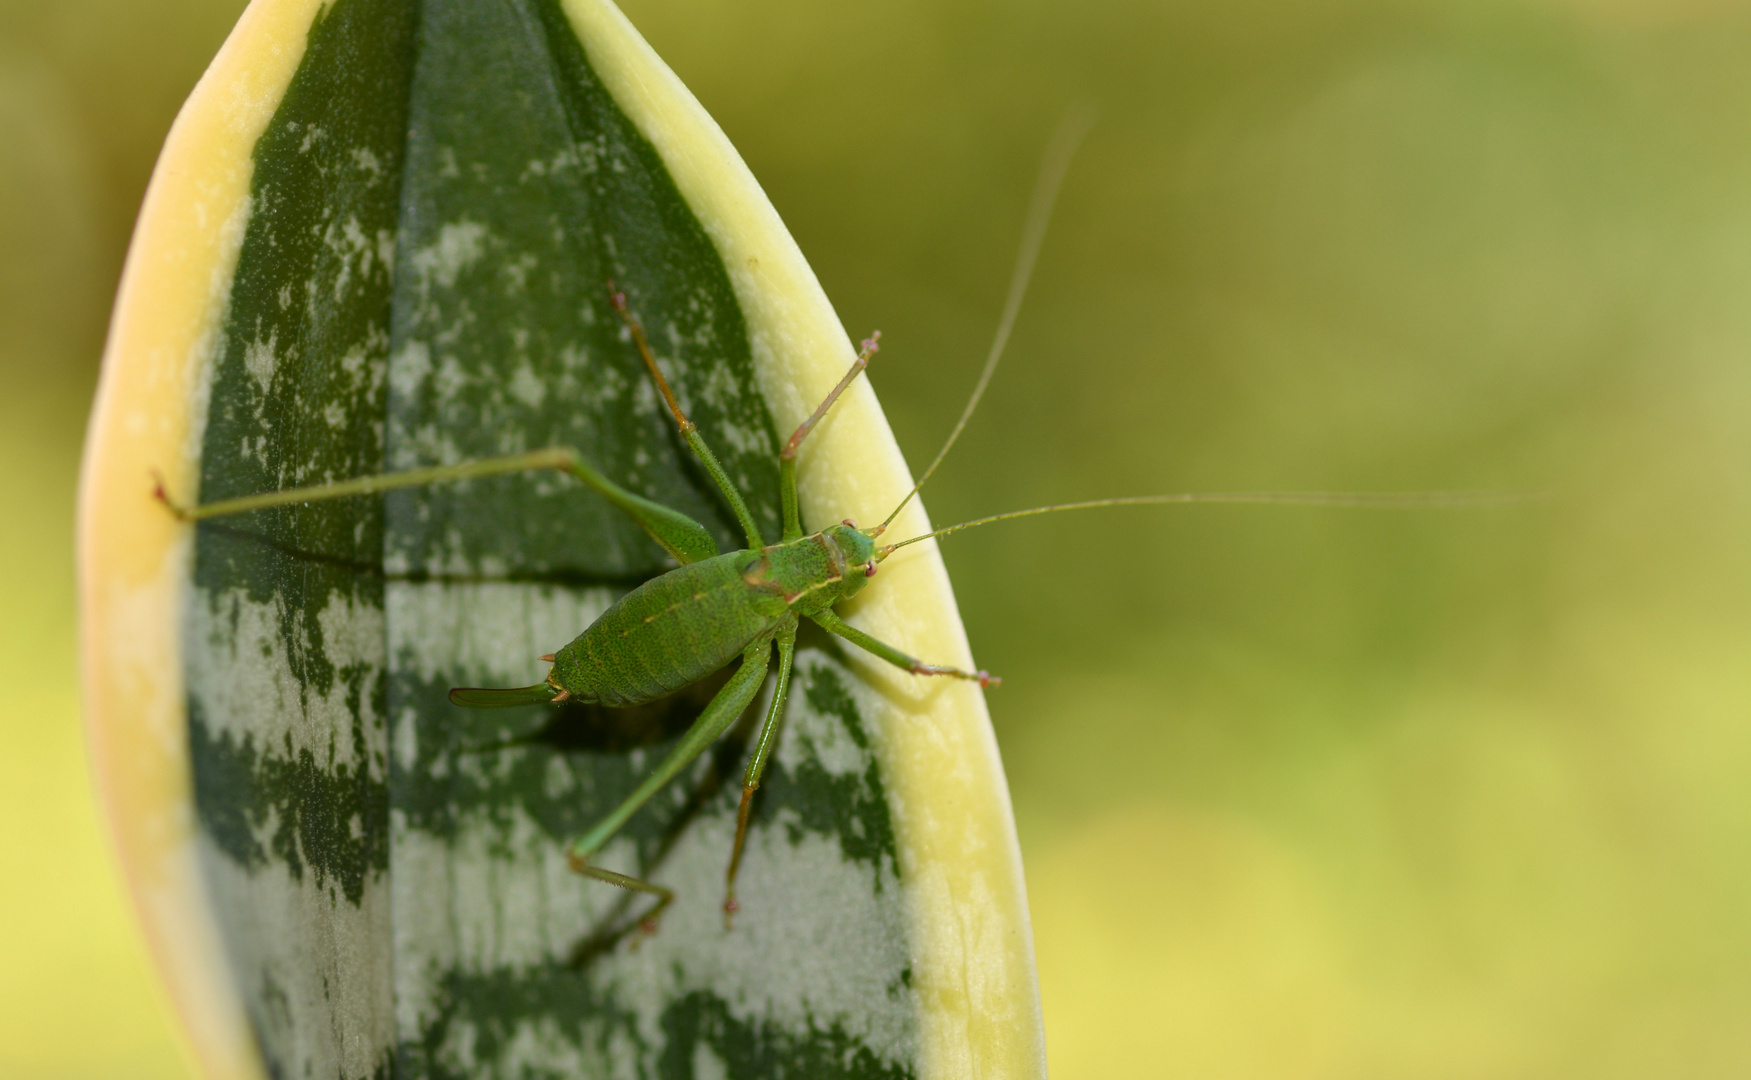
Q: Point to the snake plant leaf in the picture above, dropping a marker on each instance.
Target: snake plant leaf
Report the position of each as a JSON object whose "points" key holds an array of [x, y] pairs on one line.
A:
{"points": [[381, 236]]}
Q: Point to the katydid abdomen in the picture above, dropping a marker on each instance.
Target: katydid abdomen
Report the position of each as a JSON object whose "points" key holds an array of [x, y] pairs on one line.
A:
{"points": [[676, 629], [668, 633]]}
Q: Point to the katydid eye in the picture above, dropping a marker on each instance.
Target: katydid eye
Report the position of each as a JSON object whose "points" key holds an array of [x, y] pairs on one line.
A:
{"points": [[848, 523], [869, 568]]}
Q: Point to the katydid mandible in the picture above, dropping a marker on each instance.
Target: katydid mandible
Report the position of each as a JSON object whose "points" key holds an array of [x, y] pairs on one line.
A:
{"points": [[692, 621]]}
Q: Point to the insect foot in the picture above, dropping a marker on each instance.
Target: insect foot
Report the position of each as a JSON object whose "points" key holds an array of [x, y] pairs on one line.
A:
{"points": [[579, 861], [984, 678], [160, 493]]}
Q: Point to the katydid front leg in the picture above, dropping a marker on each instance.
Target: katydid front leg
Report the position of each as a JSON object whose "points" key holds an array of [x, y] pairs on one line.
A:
{"points": [[834, 624], [714, 721], [793, 529]]}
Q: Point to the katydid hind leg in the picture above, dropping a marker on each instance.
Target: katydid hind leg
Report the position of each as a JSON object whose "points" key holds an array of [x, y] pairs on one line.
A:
{"points": [[679, 535], [718, 716], [832, 623], [768, 738]]}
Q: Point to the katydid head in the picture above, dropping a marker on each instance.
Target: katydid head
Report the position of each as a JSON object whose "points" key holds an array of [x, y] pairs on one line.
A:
{"points": [[853, 543], [858, 550]]}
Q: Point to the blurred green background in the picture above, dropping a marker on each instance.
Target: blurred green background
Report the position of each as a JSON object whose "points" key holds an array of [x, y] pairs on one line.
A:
{"points": [[1302, 793]]}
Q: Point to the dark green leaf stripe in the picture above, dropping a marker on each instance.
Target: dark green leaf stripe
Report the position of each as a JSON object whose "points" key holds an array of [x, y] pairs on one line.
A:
{"points": [[437, 207]]}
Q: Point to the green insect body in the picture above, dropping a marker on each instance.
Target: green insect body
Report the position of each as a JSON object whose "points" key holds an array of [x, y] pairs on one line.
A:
{"points": [[694, 620], [678, 628], [681, 626]]}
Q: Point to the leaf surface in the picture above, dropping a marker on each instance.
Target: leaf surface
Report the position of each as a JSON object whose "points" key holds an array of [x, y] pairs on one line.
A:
{"points": [[416, 273]]}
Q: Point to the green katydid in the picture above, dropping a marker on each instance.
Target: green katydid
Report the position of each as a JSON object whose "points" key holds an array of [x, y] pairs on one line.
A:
{"points": [[692, 621]]}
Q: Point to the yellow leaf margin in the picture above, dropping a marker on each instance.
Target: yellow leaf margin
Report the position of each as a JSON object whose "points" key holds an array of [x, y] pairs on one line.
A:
{"points": [[972, 961]]}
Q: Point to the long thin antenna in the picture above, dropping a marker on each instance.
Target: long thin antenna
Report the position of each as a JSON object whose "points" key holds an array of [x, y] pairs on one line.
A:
{"points": [[1051, 178], [1409, 500]]}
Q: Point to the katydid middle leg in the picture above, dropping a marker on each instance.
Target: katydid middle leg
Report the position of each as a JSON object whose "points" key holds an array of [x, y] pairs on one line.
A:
{"points": [[714, 721], [689, 430]]}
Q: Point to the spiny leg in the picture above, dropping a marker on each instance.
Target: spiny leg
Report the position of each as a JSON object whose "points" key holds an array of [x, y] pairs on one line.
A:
{"points": [[678, 534], [717, 717], [689, 430], [757, 764], [834, 624], [793, 529]]}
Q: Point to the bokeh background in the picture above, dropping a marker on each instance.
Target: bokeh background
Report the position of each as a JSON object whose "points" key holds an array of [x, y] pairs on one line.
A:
{"points": [[1302, 793]]}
